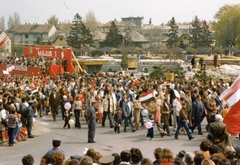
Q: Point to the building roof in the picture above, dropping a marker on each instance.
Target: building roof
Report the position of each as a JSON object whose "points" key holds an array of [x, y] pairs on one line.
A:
{"points": [[63, 33], [136, 36], [98, 36], [232, 49], [120, 24], [179, 34], [33, 28]]}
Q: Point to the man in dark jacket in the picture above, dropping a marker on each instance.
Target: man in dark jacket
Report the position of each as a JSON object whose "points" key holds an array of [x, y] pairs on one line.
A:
{"points": [[30, 114], [91, 121], [54, 102], [198, 112]]}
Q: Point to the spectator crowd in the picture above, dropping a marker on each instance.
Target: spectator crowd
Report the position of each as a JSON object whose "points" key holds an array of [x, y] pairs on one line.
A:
{"points": [[182, 104]]}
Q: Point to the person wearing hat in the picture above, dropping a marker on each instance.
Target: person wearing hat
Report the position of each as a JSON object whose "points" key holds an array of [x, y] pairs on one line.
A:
{"points": [[181, 155], [106, 160], [91, 121], [56, 142], [218, 134]]}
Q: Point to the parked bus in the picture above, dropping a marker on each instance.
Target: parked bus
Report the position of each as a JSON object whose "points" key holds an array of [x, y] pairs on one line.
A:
{"points": [[110, 64], [132, 62], [146, 65]]}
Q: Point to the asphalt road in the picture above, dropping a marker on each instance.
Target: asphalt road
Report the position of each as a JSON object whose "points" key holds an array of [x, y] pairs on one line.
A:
{"points": [[74, 141]]}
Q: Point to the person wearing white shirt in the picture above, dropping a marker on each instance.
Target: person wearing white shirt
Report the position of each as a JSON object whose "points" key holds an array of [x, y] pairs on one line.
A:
{"points": [[113, 96], [177, 107], [3, 116]]}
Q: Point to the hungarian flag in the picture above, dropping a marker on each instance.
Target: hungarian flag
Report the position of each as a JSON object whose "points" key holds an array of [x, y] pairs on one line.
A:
{"points": [[232, 119], [232, 97], [232, 94], [34, 91], [146, 97]]}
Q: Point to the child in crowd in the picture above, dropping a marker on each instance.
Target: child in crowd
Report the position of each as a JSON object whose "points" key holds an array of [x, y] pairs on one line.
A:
{"points": [[67, 117], [46, 105], [117, 120], [150, 130], [12, 122], [100, 110], [18, 129]]}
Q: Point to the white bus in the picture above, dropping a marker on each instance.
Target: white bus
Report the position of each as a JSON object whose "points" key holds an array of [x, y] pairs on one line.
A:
{"points": [[146, 65]]}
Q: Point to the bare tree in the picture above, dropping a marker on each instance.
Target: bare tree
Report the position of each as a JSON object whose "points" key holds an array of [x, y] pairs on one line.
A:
{"points": [[14, 20], [91, 21], [2, 23], [53, 20]]}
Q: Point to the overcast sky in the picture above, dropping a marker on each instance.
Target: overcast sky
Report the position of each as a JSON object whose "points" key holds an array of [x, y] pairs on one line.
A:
{"points": [[161, 11]]}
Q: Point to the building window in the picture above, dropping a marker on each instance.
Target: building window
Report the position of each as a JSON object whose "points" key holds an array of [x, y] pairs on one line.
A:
{"points": [[60, 38], [26, 35], [26, 42]]}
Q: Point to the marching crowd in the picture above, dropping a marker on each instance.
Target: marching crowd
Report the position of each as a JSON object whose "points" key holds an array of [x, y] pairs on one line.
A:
{"points": [[182, 104]]}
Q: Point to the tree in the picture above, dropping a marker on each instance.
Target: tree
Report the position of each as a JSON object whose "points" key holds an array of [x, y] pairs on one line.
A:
{"points": [[172, 33], [79, 35], [86, 39], [202, 75], [113, 38], [39, 40], [124, 62], [91, 21], [2, 23], [127, 37], [150, 21], [196, 32], [226, 27], [53, 20], [158, 72], [14, 20], [181, 44], [178, 71], [206, 35]]}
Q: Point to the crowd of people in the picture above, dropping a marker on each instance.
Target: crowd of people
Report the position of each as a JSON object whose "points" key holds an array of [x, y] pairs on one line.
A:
{"points": [[182, 104], [42, 62], [207, 155]]}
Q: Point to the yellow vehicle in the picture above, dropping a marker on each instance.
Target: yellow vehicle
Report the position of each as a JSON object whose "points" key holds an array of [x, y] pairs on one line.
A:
{"points": [[132, 62]]}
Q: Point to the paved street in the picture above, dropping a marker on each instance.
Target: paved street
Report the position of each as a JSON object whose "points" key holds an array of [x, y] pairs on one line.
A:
{"points": [[75, 140]]}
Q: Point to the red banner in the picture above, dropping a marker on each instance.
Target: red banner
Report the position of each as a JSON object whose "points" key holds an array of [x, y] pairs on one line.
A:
{"points": [[51, 52], [22, 70]]}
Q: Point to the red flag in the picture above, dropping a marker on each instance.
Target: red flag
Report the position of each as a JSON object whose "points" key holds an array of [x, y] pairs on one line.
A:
{"points": [[232, 119], [232, 94]]}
